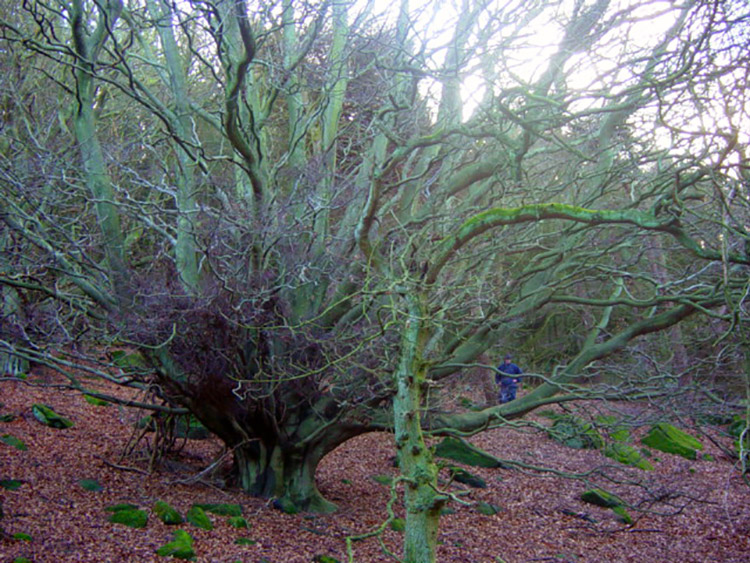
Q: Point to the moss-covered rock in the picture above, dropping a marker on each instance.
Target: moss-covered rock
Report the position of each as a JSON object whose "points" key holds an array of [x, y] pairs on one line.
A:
{"points": [[463, 476], [666, 438], [129, 361], [198, 518], [132, 517], [181, 547], [623, 514], [11, 484], [737, 426], [575, 432], [91, 485], [222, 509], [398, 525], [11, 440], [386, 480], [603, 498], [167, 514], [286, 506], [627, 455], [96, 401], [245, 541], [121, 506], [238, 522], [191, 428], [488, 509], [462, 451], [48, 417]]}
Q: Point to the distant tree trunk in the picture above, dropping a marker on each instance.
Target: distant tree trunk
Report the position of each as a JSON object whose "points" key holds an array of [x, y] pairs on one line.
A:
{"points": [[185, 246], [489, 387], [87, 46], [673, 338]]}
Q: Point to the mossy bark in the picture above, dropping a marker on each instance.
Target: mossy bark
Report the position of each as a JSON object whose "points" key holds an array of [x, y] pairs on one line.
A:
{"points": [[419, 471], [287, 475], [87, 47]]}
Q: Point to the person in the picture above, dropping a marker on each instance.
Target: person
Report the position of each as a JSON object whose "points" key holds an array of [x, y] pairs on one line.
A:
{"points": [[508, 376]]}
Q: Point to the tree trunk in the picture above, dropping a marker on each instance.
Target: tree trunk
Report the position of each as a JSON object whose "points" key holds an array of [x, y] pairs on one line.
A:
{"points": [[92, 154], [421, 497], [286, 475]]}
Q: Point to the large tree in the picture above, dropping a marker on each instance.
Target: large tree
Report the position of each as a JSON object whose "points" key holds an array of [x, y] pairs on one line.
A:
{"points": [[305, 219]]}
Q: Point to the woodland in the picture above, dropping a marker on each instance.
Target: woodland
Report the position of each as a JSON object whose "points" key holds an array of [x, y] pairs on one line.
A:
{"points": [[310, 230]]}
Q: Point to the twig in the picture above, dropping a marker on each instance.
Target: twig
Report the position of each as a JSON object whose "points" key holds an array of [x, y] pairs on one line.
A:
{"points": [[122, 467], [199, 476]]}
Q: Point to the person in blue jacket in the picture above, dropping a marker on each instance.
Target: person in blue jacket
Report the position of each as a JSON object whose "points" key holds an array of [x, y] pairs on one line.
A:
{"points": [[508, 375]]}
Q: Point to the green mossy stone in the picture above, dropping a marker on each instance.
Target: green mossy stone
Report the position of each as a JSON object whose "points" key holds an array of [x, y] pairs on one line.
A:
{"points": [[386, 480], [13, 441], [600, 497], [180, 548], [623, 514], [96, 401], [606, 420], [488, 509], [286, 506], [627, 455], [22, 560], [146, 422], [121, 506], [20, 536], [191, 428], [463, 476], [398, 525], [238, 522], [133, 518], [48, 417], [198, 518], [620, 435], [737, 426], [11, 484], [666, 438], [462, 451], [167, 514], [222, 509], [575, 432], [128, 360], [91, 485], [245, 541]]}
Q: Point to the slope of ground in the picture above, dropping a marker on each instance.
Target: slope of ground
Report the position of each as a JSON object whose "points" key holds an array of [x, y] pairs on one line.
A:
{"points": [[691, 511]]}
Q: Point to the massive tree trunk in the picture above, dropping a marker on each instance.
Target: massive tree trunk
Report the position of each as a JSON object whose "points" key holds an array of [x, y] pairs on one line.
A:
{"points": [[277, 436], [286, 474], [274, 460]]}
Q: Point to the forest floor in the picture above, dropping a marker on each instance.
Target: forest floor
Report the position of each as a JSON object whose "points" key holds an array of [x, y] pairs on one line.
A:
{"points": [[684, 510]]}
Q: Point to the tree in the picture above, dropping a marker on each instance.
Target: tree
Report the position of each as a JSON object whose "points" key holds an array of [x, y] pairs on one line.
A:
{"points": [[291, 214]]}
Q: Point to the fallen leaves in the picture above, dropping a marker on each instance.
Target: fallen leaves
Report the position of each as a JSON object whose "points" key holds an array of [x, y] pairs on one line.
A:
{"points": [[684, 510]]}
